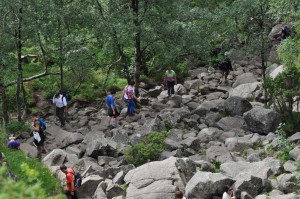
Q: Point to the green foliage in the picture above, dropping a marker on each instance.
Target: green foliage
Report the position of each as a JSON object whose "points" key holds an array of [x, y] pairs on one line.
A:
{"points": [[148, 149], [284, 146], [15, 126], [30, 170], [10, 189], [281, 92]]}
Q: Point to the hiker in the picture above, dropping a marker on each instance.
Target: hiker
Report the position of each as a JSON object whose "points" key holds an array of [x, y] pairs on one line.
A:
{"points": [[285, 33], [179, 195], [225, 67], [170, 80], [70, 179], [38, 134], [112, 109], [60, 103], [228, 194], [12, 143], [129, 96]]}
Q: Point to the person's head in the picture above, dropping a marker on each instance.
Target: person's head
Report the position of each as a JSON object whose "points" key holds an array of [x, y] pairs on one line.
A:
{"points": [[57, 95], [11, 138], [132, 83], [34, 116], [169, 68], [228, 189], [63, 168], [178, 195], [227, 54]]}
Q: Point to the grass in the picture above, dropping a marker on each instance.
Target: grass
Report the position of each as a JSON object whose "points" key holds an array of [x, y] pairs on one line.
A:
{"points": [[16, 161]]}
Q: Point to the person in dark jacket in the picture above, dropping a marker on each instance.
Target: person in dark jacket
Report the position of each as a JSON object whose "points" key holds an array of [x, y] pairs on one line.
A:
{"points": [[225, 67]]}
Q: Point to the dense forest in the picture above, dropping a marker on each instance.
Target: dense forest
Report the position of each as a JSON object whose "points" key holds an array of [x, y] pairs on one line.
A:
{"points": [[85, 46]]}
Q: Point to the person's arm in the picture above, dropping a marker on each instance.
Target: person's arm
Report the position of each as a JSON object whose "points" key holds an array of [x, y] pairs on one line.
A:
{"points": [[36, 125], [124, 92], [65, 103], [165, 78]]}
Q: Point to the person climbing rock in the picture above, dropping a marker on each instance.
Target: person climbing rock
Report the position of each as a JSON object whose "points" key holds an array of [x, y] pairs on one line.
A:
{"points": [[112, 109], [170, 80], [225, 67], [38, 134], [60, 103], [228, 194], [129, 96], [70, 179], [285, 33]]}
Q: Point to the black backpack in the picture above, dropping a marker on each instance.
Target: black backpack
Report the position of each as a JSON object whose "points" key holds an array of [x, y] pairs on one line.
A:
{"points": [[77, 179], [66, 95]]}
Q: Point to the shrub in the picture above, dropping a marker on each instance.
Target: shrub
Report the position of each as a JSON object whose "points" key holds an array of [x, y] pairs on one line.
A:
{"points": [[284, 146], [15, 126], [148, 149]]}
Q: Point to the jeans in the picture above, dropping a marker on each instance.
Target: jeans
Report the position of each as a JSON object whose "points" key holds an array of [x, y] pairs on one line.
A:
{"points": [[171, 90], [60, 113], [130, 106]]}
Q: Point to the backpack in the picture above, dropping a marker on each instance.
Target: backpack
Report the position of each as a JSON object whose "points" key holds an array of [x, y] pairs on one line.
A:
{"points": [[129, 92], [77, 179], [67, 96], [43, 124]]}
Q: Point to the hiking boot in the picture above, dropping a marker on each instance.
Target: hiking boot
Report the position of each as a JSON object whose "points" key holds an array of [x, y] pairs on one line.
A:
{"points": [[172, 96]]}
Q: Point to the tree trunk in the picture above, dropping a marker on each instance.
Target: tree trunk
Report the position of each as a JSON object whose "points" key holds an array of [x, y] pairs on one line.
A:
{"points": [[3, 97], [137, 41], [60, 55], [20, 72]]}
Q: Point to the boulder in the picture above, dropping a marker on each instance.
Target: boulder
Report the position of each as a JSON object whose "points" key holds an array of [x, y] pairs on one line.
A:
{"points": [[100, 193], [209, 134], [286, 196], [229, 123], [237, 144], [206, 185], [155, 91], [57, 157], [244, 79], [89, 186], [192, 84], [180, 89], [101, 147], [218, 154], [277, 71], [248, 91], [29, 150], [155, 179], [276, 32], [246, 182], [290, 166], [295, 153], [288, 183], [261, 120], [237, 106], [207, 106], [294, 138], [114, 190]]}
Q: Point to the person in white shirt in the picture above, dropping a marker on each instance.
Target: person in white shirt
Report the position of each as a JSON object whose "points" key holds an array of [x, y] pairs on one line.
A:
{"points": [[228, 194], [60, 103]]}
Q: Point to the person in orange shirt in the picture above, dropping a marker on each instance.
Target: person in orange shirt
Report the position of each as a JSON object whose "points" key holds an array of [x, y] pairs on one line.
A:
{"points": [[70, 178]]}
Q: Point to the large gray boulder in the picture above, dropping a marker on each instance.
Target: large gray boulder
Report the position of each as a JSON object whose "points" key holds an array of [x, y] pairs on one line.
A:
{"points": [[229, 123], [218, 154], [205, 185], [155, 91], [277, 71], [249, 183], [192, 84], [100, 193], [244, 78], [57, 157], [180, 89], [237, 106], [276, 32], [286, 196], [89, 186], [101, 147], [248, 91], [262, 169], [261, 120], [209, 134], [295, 153], [288, 183], [207, 106], [156, 179]]}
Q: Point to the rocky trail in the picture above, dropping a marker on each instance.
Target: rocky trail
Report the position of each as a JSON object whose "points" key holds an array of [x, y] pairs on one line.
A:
{"points": [[219, 136]]}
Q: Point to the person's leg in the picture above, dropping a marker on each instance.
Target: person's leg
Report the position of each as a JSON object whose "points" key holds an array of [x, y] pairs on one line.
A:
{"points": [[172, 88], [226, 74], [130, 107], [169, 88], [61, 116], [68, 195], [39, 153], [75, 195]]}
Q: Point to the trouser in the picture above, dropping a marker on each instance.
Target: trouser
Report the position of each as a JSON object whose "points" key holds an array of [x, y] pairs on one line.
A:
{"points": [[60, 113], [171, 85], [69, 196], [130, 106]]}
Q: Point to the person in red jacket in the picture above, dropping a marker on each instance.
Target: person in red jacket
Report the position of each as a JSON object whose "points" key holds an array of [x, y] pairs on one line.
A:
{"points": [[70, 178]]}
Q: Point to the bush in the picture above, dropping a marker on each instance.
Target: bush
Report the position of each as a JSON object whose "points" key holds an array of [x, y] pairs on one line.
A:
{"points": [[146, 150], [15, 126], [10, 189]]}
